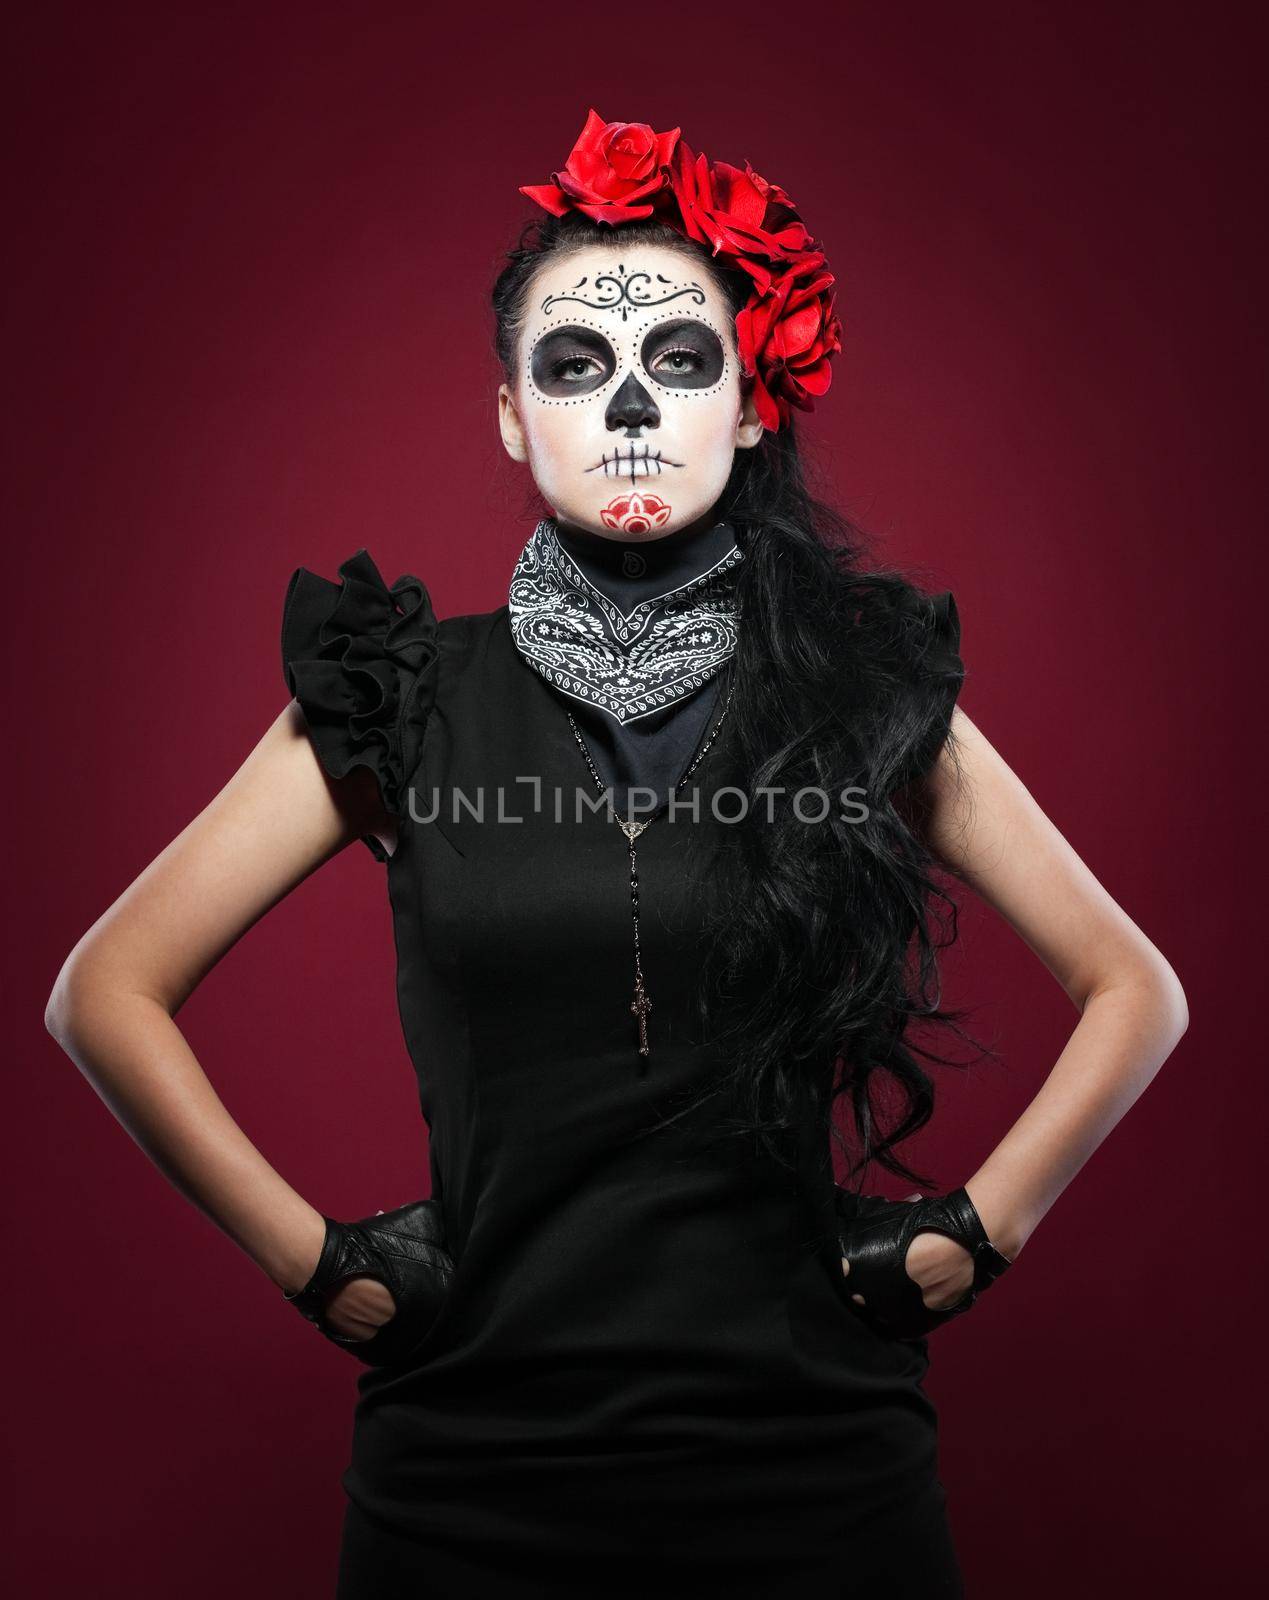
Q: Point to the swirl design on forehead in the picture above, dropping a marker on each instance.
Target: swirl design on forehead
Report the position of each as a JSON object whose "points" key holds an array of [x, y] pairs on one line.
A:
{"points": [[625, 292]]}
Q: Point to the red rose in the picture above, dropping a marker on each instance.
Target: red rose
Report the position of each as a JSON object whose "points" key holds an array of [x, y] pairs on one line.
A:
{"points": [[738, 214], [786, 337], [788, 330], [613, 173]]}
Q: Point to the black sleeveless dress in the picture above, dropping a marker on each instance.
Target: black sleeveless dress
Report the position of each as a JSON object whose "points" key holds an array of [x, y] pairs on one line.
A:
{"points": [[647, 1369]]}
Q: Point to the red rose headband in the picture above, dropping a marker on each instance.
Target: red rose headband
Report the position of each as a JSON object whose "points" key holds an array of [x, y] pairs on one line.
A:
{"points": [[787, 331]]}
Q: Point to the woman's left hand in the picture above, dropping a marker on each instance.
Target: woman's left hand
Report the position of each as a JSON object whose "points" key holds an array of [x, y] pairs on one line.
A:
{"points": [[943, 1269], [910, 1280]]}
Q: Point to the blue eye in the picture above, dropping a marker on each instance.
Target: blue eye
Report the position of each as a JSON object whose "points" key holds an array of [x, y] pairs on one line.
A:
{"points": [[581, 367], [571, 361], [678, 357], [683, 354]]}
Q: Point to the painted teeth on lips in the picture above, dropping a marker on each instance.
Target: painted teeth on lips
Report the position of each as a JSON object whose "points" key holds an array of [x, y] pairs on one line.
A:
{"points": [[634, 463]]}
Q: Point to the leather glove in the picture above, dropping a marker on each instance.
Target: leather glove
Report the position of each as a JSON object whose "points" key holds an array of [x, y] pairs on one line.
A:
{"points": [[404, 1250], [874, 1239]]}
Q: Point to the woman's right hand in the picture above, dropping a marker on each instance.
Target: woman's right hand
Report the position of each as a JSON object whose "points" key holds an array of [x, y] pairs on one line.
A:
{"points": [[379, 1283], [359, 1307]]}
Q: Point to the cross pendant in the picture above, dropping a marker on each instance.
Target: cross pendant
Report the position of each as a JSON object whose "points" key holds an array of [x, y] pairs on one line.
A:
{"points": [[639, 1007]]}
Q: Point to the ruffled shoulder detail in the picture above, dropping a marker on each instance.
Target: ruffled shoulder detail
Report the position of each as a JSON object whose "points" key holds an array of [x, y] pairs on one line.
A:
{"points": [[937, 672], [361, 659]]}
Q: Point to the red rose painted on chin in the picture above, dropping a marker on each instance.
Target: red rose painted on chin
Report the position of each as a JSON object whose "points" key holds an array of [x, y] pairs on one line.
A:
{"points": [[615, 172], [636, 513], [786, 338]]}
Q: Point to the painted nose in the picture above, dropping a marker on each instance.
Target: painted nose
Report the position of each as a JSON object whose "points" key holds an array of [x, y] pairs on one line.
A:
{"points": [[632, 407]]}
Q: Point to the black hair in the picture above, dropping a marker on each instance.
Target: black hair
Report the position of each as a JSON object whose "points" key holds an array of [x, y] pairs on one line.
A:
{"points": [[822, 947]]}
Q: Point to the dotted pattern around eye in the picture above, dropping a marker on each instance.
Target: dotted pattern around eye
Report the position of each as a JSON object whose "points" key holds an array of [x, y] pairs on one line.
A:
{"points": [[638, 331]]}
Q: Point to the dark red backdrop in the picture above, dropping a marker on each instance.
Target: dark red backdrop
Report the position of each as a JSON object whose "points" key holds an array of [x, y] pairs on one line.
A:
{"points": [[248, 330]]}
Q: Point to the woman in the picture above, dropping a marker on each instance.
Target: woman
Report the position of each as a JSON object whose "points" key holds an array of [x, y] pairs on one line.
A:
{"points": [[638, 1334]]}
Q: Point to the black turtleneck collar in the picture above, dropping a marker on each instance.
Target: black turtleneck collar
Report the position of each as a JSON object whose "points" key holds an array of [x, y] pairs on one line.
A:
{"points": [[635, 570]]}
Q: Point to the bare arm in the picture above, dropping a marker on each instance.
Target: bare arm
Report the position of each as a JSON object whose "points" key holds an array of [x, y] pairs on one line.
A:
{"points": [[112, 1008], [986, 827]]}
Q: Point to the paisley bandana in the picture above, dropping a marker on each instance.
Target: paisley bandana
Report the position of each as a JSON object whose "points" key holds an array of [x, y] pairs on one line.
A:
{"points": [[626, 664]]}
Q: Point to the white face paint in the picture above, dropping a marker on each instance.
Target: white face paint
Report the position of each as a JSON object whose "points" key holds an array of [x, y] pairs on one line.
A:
{"points": [[627, 404]]}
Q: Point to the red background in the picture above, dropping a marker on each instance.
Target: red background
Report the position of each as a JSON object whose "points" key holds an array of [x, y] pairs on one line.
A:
{"points": [[248, 330]]}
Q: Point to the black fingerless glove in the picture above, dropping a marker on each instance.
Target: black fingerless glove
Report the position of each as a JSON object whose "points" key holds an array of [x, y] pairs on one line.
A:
{"points": [[404, 1249], [874, 1237]]}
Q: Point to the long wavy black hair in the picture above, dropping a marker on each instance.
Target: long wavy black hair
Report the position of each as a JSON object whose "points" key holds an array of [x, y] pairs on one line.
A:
{"points": [[822, 943]]}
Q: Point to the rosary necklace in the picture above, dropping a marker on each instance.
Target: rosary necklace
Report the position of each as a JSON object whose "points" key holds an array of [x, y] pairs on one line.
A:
{"points": [[641, 1005]]}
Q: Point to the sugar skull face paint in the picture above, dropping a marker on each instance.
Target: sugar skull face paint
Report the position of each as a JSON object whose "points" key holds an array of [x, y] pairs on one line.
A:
{"points": [[628, 403]]}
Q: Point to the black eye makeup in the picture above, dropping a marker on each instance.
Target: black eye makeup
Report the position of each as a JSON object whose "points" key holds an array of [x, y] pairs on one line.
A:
{"points": [[571, 361], [683, 354]]}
